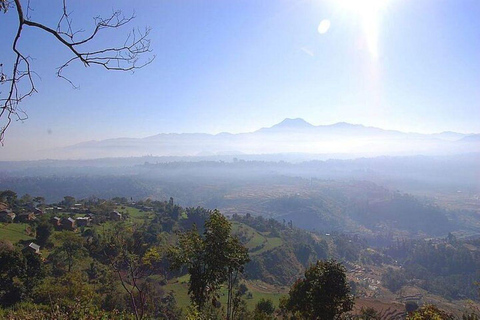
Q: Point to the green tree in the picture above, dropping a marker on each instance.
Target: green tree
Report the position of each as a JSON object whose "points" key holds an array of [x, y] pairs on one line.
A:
{"points": [[26, 200], [67, 290], [70, 250], [265, 306], [411, 306], [264, 309], [20, 272], [211, 260], [394, 280], [11, 286], [39, 201], [226, 255], [190, 252], [68, 201], [8, 196], [323, 294], [430, 312], [168, 308], [43, 232], [33, 270], [134, 261], [369, 313]]}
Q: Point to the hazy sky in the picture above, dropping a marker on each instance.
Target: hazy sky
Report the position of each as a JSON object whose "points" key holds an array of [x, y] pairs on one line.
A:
{"points": [[236, 66]]}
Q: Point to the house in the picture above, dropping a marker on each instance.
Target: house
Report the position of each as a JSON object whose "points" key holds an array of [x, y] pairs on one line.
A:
{"points": [[7, 215], [68, 224], [83, 221], [77, 207], [115, 215], [26, 217], [35, 248], [38, 211], [56, 221]]}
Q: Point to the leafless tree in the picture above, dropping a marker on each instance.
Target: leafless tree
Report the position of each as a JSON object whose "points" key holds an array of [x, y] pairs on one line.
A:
{"points": [[18, 77]]}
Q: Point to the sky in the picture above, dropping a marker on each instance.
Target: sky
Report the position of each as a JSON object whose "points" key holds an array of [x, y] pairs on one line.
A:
{"points": [[237, 66]]}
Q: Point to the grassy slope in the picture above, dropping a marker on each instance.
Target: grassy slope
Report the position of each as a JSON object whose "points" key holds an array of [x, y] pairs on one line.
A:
{"points": [[135, 214], [259, 290], [13, 232], [257, 242]]}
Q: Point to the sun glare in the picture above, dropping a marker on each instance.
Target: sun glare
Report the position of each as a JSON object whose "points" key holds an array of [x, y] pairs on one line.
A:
{"points": [[369, 12], [324, 26]]}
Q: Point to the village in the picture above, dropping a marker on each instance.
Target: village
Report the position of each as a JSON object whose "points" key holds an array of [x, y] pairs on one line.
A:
{"points": [[61, 217]]}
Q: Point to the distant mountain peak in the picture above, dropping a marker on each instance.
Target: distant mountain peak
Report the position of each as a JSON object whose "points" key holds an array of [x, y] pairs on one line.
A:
{"points": [[346, 125], [293, 123], [471, 138]]}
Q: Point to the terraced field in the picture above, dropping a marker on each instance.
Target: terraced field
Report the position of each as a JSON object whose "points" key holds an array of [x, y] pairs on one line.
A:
{"points": [[256, 242]]}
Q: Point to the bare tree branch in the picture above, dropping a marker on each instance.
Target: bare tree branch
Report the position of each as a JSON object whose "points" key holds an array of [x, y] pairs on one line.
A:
{"points": [[125, 57]]}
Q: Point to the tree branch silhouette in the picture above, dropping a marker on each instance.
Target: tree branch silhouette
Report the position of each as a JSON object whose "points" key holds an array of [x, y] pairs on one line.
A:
{"points": [[20, 82]]}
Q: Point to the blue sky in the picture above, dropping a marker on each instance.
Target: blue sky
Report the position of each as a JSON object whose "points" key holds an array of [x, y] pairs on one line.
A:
{"points": [[237, 66]]}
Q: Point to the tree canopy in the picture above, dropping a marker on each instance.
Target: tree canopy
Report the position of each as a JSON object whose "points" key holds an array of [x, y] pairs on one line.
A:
{"points": [[211, 259], [323, 294]]}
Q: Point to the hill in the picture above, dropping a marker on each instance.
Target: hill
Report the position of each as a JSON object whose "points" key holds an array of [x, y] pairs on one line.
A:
{"points": [[288, 136], [385, 270]]}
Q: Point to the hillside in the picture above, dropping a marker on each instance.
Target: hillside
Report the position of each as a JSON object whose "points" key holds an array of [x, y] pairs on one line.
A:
{"points": [[318, 205], [385, 272]]}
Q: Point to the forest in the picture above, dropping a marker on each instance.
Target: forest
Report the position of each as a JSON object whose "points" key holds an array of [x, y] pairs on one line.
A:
{"points": [[91, 258]]}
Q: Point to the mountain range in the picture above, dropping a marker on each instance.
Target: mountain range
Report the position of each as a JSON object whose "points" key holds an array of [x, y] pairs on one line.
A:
{"points": [[291, 136]]}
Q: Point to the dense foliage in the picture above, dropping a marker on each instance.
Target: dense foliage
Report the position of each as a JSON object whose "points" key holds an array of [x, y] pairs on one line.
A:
{"points": [[211, 260], [448, 267], [120, 265], [323, 294]]}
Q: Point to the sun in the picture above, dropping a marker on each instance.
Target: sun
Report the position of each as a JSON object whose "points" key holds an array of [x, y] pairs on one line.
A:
{"points": [[369, 12], [361, 4]]}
